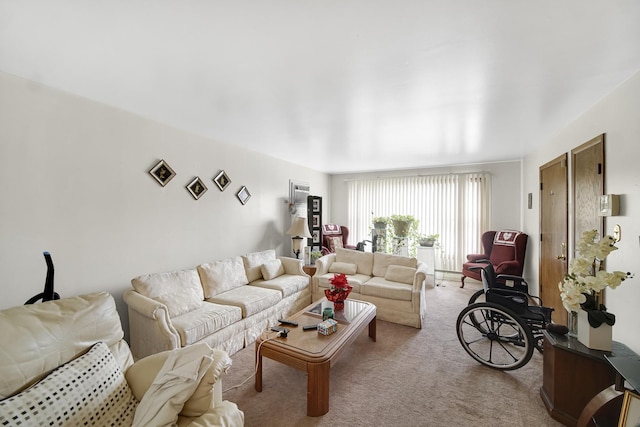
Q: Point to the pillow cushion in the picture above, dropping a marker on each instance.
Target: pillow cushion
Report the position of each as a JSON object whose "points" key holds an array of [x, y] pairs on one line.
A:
{"points": [[363, 260], [272, 269], [334, 243], [221, 276], [398, 273], [88, 390], [142, 373], [343, 267], [253, 263], [382, 261], [181, 291]]}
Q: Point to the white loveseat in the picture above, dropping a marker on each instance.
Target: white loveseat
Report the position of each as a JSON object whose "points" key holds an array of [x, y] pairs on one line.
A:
{"points": [[66, 362], [394, 283], [225, 303]]}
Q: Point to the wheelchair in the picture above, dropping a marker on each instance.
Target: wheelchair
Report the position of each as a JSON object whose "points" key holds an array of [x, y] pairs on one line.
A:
{"points": [[499, 328]]}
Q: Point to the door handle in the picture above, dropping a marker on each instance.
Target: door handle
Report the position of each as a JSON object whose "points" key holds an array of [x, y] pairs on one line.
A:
{"points": [[563, 255]]}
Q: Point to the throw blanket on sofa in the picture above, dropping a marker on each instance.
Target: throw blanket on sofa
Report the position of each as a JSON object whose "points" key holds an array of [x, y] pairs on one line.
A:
{"points": [[506, 237], [174, 384]]}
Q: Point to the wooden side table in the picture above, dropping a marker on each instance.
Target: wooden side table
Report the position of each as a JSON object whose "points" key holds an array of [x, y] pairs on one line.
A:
{"points": [[573, 374], [309, 269]]}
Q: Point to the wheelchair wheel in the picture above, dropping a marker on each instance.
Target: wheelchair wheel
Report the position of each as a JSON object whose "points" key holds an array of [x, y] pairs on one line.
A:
{"points": [[478, 297], [501, 341]]}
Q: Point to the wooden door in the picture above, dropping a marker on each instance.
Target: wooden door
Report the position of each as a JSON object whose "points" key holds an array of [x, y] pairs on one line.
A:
{"points": [[553, 234], [587, 170]]}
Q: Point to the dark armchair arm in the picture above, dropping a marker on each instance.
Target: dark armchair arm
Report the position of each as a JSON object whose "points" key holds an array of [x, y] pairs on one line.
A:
{"points": [[477, 257], [509, 267]]}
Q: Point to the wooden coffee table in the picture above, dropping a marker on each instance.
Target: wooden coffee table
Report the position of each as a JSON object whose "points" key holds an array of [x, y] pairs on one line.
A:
{"points": [[315, 353]]}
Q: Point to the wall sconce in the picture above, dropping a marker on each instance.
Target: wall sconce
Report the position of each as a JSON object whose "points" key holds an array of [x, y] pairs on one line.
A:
{"points": [[299, 230], [609, 205]]}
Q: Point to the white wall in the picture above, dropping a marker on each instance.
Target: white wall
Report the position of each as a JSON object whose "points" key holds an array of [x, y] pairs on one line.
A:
{"points": [[74, 181], [617, 116]]}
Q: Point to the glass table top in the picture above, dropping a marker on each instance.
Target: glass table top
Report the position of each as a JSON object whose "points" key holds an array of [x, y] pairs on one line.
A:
{"points": [[351, 309]]}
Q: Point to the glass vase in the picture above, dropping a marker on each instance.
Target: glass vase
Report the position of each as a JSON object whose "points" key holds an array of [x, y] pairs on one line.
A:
{"points": [[572, 324]]}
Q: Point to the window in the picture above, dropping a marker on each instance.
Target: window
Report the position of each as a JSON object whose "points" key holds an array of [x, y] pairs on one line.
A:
{"points": [[456, 206]]}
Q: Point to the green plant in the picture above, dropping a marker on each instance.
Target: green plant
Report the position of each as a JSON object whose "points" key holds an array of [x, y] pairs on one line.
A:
{"points": [[411, 232], [380, 220], [316, 254], [428, 239], [429, 236]]}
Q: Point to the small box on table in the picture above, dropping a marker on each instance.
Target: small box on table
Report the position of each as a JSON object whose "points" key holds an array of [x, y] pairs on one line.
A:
{"points": [[327, 327]]}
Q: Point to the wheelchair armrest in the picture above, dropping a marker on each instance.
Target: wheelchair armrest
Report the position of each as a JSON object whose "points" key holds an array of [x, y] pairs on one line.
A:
{"points": [[511, 277]]}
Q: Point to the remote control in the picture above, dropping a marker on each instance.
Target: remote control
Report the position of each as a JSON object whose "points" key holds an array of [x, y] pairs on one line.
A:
{"points": [[288, 322], [309, 327]]}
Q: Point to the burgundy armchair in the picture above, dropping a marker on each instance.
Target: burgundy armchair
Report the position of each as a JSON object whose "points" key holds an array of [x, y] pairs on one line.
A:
{"points": [[504, 249], [334, 236]]}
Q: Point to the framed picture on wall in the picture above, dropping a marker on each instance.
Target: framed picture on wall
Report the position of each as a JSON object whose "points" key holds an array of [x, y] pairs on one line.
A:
{"points": [[222, 180], [630, 412], [315, 221], [197, 188], [315, 236], [162, 172], [315, 205], [243, 195]]}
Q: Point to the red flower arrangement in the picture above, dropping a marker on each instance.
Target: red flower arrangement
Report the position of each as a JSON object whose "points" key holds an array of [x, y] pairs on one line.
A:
{"points": [[339, 291]]}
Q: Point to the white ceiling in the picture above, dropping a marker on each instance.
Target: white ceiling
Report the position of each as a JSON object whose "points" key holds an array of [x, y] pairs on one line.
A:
{"points": [[336, 85]]}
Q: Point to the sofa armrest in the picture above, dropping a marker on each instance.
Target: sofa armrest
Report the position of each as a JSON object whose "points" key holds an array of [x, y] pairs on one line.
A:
{"points": [[292, 266], [420, 277], [150, 327], [324, 262]]}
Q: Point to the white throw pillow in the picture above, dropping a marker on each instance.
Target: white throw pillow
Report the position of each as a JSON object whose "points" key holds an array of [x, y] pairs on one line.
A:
{"points": [[398, 273], [253, 263], [181, 291], [343, 267], [272, 269], [221, 276], [88, 390]]}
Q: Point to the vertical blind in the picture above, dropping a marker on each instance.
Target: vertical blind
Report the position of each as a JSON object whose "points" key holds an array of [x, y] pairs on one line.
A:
{"points": [[456, 206]]}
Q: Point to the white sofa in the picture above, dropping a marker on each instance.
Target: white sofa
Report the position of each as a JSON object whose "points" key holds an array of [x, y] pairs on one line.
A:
{"points": [[66, 361], [394, 283], [225, 303]]}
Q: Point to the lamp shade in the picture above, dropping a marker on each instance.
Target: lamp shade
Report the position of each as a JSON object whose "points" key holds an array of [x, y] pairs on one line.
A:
{"points": [[299, 227]]}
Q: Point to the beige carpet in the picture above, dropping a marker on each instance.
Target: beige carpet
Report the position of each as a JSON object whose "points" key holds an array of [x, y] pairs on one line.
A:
{"points": [[409, 377]]}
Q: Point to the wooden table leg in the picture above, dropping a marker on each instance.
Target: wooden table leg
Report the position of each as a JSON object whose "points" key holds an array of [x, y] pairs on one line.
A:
{"points": [[318, 388], [258, 368], [372, 329]]}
